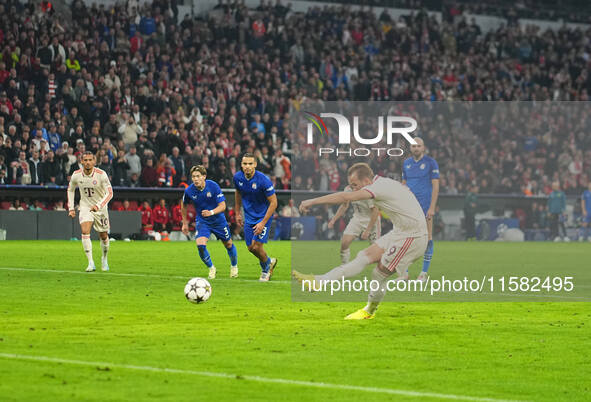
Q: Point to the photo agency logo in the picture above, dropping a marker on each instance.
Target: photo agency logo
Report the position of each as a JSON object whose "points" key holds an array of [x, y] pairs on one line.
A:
{"points": [[387, 126]]}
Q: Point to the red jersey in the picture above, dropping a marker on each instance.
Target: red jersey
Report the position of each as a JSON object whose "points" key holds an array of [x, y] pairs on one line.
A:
{"points": [[161, 214]]}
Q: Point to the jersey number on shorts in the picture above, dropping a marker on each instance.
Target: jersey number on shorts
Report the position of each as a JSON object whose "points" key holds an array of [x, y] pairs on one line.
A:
{"points": [[263, 233], [226, 232], [89, 191]]}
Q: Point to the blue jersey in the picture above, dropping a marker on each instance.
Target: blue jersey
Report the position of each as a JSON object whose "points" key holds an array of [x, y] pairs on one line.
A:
{"points": [[254, 194], [206, 199], [418, 176], [587, 198]]}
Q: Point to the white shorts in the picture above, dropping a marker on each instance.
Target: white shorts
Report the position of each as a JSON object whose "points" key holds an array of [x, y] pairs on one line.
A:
{"points": [[357, 226], [100, 218], [400, 250]]}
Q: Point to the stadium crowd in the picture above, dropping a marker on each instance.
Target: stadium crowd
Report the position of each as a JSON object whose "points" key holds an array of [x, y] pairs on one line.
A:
{"points": [[153, 95]]}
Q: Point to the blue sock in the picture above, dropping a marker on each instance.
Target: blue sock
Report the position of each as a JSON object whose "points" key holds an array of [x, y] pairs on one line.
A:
{"points": [[233, 255], [205, 257], [266, 265], [428, 256]]}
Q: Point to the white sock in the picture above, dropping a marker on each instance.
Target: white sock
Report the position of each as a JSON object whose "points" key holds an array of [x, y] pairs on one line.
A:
{"points": [[345, 256], [87, 245], [105, 248], [346, 270], [375, 297]]}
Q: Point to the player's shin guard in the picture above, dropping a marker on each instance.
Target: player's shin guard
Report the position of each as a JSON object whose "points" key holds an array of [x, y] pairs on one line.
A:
{"points": [[105, 247], [233, 255], [428, 256], [347, 270], [345, 256], [87, 245], [376, 296], [205, 257]]}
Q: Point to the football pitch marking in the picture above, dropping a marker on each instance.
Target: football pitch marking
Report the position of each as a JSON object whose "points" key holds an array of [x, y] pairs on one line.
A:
{"points": [[107, 274], [254, 378]]}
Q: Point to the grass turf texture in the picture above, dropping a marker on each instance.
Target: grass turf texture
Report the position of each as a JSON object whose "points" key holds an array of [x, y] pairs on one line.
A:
{"points": [[526, 351]]}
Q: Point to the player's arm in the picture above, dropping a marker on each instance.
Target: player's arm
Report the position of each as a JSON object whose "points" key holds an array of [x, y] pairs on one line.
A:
{"points": [[217, 210], [185, 226], [107, 197], [434, 196], [258, 228], [375, 214], [238, 208], [71, 196], [336, 198], [340, 212], [583, 207]]}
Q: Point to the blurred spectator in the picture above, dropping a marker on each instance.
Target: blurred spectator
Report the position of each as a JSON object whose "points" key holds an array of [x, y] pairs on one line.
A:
{"points": [[161, 217]]}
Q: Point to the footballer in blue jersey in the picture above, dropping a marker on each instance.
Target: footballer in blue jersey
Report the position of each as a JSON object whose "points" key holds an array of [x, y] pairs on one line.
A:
{"points": [[210, 205], [586, 209], [255, 192], [421, 174]]}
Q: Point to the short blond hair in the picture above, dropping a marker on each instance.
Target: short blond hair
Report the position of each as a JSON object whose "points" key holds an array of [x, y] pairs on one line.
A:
{"points": [[362, 170]]}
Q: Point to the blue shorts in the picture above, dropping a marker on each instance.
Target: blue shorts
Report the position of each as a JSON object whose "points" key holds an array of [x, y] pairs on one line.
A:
{"points": [[249, 233], [425, 204], [204, 230]]}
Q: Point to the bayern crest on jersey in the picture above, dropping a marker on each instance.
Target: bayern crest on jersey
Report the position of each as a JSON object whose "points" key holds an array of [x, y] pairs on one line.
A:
{"points": [[94, 182]]}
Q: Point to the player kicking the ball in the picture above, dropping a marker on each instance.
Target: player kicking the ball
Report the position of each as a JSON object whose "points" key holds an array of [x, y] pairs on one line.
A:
{"points": [[95, 194], [365, 223], [255, 191], [394, 251], [210, 205]]}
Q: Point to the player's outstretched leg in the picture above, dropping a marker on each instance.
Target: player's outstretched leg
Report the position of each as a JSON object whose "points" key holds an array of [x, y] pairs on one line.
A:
{"points": [[104, 236], [233, 254]]}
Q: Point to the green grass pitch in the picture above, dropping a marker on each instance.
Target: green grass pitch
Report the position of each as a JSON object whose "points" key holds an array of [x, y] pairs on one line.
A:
{"points": [[129, 335]]}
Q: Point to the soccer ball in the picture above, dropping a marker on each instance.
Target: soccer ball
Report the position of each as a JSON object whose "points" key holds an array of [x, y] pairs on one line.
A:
{"points": [[197, 290]]}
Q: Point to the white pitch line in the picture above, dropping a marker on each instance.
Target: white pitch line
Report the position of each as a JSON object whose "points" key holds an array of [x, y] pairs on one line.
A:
{"points": [[254, 378], [110, 273]]}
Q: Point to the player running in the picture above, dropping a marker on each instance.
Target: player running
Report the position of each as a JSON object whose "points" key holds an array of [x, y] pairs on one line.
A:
{"points": [[95, 194], [586, 208], [421, 174], [210, 205], [255, 191], [365, 223], [394, 251]]}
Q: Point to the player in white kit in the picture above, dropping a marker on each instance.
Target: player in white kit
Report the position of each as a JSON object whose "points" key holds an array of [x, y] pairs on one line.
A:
{"points": [[95, 194], [395, 251], [365, 223]]}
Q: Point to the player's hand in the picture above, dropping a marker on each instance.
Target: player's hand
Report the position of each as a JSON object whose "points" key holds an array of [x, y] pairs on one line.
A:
{"points": [[430, 213], [331, 223], [365, 235], [94, 208], [258, 228], [72, 214], [185, 229], [239, 220], [305, 206], [205, 213]]}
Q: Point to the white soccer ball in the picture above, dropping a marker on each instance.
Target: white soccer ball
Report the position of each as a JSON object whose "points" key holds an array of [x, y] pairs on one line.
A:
{"points": [[197, 290]]}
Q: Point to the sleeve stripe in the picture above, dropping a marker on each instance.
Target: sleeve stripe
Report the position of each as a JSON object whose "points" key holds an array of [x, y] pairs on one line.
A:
{"points": [[369, 191]]}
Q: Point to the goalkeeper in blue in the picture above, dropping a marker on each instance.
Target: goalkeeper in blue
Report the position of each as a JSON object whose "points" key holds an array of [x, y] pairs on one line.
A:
{"points": [[255, 192], [421, 174], [210, 205]]}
